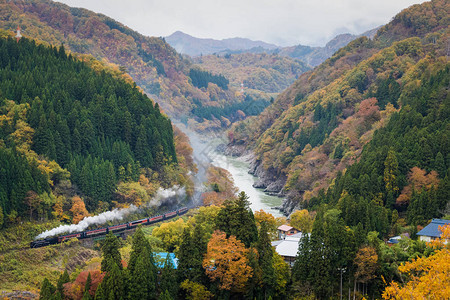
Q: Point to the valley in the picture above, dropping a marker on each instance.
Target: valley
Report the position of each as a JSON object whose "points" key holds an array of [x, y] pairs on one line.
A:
{"points": [[263, 172]]}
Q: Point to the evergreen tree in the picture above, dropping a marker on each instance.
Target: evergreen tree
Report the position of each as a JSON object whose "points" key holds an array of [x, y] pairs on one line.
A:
{"points": [[87, 287], [166, 296], [141, 269], [110, 253], [236, 218], [142, 284], [47, 290], [2, 200], [114, 283], [190, 256], [63, 278], [168, 280], [439, 165], [265, 252], [100, 293]]}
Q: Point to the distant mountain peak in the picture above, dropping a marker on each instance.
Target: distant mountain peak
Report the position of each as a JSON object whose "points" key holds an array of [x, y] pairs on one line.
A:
{"points": [[187, 44]]}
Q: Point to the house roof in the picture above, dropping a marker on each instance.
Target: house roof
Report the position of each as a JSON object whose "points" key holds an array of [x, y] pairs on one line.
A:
{"points": [[394, 239], [432, 229], [276, 243], [285, 228], [287, 248], [294, 236], [160, 259]]}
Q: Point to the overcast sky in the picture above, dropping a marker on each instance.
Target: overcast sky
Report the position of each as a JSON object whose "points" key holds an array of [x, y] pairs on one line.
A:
{"points": [[282, 22]]}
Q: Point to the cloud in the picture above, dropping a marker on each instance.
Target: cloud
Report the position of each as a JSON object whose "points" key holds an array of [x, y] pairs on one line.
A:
{"points": [[283, 22]]}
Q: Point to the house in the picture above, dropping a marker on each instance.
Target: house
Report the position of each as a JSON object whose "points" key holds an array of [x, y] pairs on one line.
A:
{"points": [[288, 247], [286, 230], [396, 239], [431, 231]]}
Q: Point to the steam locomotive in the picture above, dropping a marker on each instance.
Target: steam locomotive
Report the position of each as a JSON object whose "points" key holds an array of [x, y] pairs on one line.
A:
{"points": [[106, 230]]}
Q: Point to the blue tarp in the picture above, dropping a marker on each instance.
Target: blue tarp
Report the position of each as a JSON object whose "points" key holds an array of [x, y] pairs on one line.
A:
{"points": [[160, 259]]}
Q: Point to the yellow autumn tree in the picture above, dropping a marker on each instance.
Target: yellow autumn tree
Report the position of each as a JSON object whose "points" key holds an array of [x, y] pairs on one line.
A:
{"points": [[302, 220], [170, 233], [262, 217], [226, 261], [428, 277], [195, 291]]}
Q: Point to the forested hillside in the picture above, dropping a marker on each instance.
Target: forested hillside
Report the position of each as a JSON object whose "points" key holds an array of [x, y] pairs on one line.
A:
{"points": [[153, 64], [71, 129], [382, 103], [267, 73], [314, 56]]}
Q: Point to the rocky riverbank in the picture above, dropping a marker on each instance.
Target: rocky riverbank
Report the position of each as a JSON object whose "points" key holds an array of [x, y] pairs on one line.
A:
{"points": [[269, 180]]}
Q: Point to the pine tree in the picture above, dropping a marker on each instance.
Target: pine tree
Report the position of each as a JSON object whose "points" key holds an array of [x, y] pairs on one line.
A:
{"points": [[168, 280], [166, 296], [87, 287], [1, 211], [391, 172], [265, 252], [439, 165], [186, 253], [63, 278], [237, 219], [100, 292], [111, 254], [114, 283], [47, 290], [141, 269], [142, 284]]}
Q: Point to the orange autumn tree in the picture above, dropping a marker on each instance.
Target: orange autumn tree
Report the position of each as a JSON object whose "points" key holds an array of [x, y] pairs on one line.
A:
{"points": [[78, 209], [418, 179], [429, 277], [226, 261], [74, 290]]}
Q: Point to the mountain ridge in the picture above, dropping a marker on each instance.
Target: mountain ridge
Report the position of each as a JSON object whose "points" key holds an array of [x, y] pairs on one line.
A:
{"points": [[305, 137], [313, 56], [183, 42]]}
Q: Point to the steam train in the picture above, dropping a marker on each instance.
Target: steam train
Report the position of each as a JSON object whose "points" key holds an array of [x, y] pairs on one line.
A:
{"points": [[106, 230]]}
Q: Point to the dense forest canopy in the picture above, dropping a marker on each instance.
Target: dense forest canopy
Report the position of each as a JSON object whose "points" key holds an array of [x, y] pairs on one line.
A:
{"points": [[154, 64], [96, 126]]}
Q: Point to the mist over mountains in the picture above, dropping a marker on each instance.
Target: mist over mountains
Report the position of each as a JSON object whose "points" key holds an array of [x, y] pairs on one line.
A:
{"points": [[313, 56]]}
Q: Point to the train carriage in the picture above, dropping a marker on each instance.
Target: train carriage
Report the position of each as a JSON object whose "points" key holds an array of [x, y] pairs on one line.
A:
{"points": [[95, 232], [170, 214], [155, 219], [118, 227], [138, 222], [182, 211], [105, 230], [69, 236]]}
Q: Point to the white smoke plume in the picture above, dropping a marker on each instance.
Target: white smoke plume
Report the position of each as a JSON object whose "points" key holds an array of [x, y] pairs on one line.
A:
{"points": [[162, 196]]}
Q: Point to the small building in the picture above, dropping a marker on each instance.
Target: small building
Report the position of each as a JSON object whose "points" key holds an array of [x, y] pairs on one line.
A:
{"points": [[288, 247], [161, 257], [286, 230], [431, 231], [396, 239]]}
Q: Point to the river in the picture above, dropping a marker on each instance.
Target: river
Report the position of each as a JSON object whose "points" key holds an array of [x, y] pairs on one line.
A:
{"points": [[205, 152]]}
